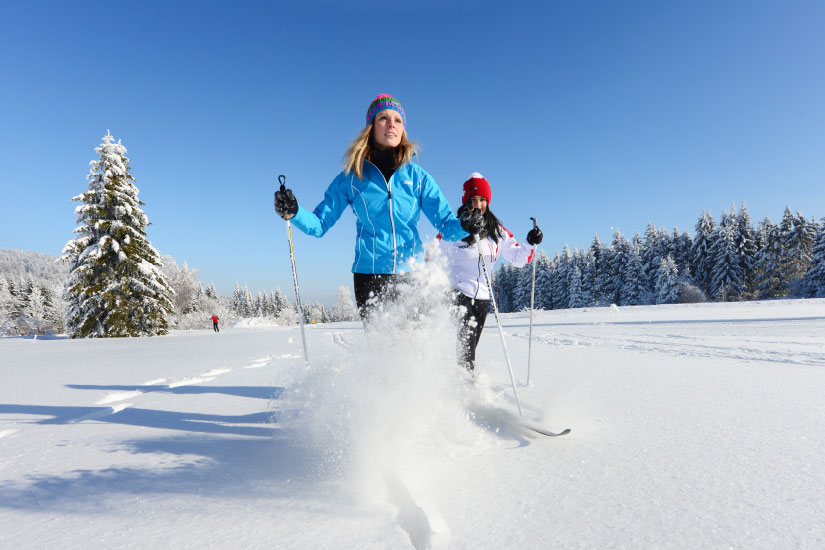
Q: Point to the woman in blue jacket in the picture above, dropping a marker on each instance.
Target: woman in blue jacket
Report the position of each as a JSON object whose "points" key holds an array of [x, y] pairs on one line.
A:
{"points": [[388, 193]]}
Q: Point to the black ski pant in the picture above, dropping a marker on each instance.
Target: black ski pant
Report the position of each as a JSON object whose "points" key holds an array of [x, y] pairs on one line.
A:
{"points": [[374, 290], [215, 327], [473, 313]]}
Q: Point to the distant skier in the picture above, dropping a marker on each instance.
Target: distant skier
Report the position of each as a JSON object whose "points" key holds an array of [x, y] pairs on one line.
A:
{"points": [[215, 323], [387, 193], [470, 291]]}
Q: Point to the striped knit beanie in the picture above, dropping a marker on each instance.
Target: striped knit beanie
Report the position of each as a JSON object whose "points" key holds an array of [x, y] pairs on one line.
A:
{"points": [[477, 185], [385, 101]]}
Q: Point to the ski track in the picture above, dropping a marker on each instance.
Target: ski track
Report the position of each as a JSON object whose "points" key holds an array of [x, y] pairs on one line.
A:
{"points": [[720, 345], [410, 517], [339, 339]]}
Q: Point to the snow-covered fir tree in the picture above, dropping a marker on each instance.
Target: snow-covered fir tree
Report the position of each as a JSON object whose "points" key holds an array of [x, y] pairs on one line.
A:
{"points": [[281, 302], [617, 256], [345, 309], [656, 246], [574, 287], [747, 248], [588, 277], [701, 260], [599, 277], [5, 307], [561, 265], [212, 292], [680, 251], [544, 282], [816, 274], [727, 275], [184, 282], [237, 299], [116, 285], [505, 279], [667, 280], [769, 281], [635, 280], [797, 234], [514, 293]]}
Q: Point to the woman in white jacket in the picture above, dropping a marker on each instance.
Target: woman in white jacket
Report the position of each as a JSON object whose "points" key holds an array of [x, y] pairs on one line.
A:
{"points": [[470, 290]]}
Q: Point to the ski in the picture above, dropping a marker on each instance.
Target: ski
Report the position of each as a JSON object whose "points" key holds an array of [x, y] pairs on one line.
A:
{"points": [[538, 428]]}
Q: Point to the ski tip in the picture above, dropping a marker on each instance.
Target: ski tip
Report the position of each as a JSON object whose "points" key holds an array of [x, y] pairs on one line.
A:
{"points": [[539, 428]]}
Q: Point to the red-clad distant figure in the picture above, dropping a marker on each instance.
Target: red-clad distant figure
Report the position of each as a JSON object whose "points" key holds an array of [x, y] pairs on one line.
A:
{"points": [[215, 323]]}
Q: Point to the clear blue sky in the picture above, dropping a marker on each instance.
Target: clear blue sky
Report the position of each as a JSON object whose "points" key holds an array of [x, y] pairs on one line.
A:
{"points": [[590, 116]]}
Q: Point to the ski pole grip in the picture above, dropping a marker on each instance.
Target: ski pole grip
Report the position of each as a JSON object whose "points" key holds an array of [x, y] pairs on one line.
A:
{"points": [[535, 224], [282, 181]]}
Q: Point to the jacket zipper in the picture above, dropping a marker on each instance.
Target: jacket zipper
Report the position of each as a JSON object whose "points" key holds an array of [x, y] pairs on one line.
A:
{"points": [[392, 220]]}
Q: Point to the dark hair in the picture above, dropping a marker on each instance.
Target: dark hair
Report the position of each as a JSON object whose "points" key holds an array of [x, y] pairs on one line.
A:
{"points": [[492, 227]]}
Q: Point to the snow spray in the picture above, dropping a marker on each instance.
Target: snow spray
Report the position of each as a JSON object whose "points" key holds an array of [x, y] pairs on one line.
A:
{"points": [[383, 406]]}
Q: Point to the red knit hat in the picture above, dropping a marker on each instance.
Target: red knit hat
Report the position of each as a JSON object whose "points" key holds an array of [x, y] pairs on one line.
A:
{"points": [[477, 185]]}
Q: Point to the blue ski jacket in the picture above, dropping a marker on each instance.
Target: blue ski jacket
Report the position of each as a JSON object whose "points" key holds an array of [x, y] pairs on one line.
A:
{"points": [[387, 214]]}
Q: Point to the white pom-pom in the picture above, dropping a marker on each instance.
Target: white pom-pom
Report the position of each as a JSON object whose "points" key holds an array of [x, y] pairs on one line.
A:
{"points": [[476, 175]]}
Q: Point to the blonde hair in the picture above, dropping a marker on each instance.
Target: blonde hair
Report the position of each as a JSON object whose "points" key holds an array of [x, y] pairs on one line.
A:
{"points": [[362, 146]]}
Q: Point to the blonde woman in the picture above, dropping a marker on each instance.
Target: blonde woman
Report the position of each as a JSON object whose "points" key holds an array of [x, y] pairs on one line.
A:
{"points": [[388, 192]]}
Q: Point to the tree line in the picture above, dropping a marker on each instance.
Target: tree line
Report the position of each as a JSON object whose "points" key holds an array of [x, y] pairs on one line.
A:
{"points": [[728, 260], [116, 284], [32, 298]]}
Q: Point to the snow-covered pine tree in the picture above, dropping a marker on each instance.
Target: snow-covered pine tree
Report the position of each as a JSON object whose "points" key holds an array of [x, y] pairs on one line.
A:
{"points": [[525, 282], [679, 250], [649, 252], [816, 275], [726, 283], [746, 244], [36, 310], [544, 282], [701, 260], [345, 309], [212, 292], [116, 286], [797, 234], [247, 302], [500, 281], [769, 281], [574, 287], [5, 307], [617, 257], [635, 280], [599, 275], [588, 275], [281, 302], [185, 284], [237, 300], [667, 280], [561, 265]]}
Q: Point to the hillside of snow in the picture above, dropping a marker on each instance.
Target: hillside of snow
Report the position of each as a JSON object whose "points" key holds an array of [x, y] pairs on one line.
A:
{"points": [[693, 426]]}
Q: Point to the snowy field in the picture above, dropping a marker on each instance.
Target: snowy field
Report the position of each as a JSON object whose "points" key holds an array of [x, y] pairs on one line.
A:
{"points": [[696, 426]]}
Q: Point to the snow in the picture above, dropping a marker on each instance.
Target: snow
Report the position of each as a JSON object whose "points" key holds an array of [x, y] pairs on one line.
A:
{"points": [[693, 426]]}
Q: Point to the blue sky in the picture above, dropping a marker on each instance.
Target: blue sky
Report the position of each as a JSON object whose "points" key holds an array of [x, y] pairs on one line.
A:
{"points": [[590, 116]]}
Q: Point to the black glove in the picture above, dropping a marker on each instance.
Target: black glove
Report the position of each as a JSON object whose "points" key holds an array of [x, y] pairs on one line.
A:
{"points": [[534, 236], [472, 222], [286, 205]]}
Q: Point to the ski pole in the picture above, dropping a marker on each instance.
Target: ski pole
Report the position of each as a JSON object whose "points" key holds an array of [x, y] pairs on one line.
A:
{"points": [[282, 181], [498, 320], [532, 300]]}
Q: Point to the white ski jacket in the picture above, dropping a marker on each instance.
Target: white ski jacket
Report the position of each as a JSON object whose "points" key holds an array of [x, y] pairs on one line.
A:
{"points": [[466, 271]]}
